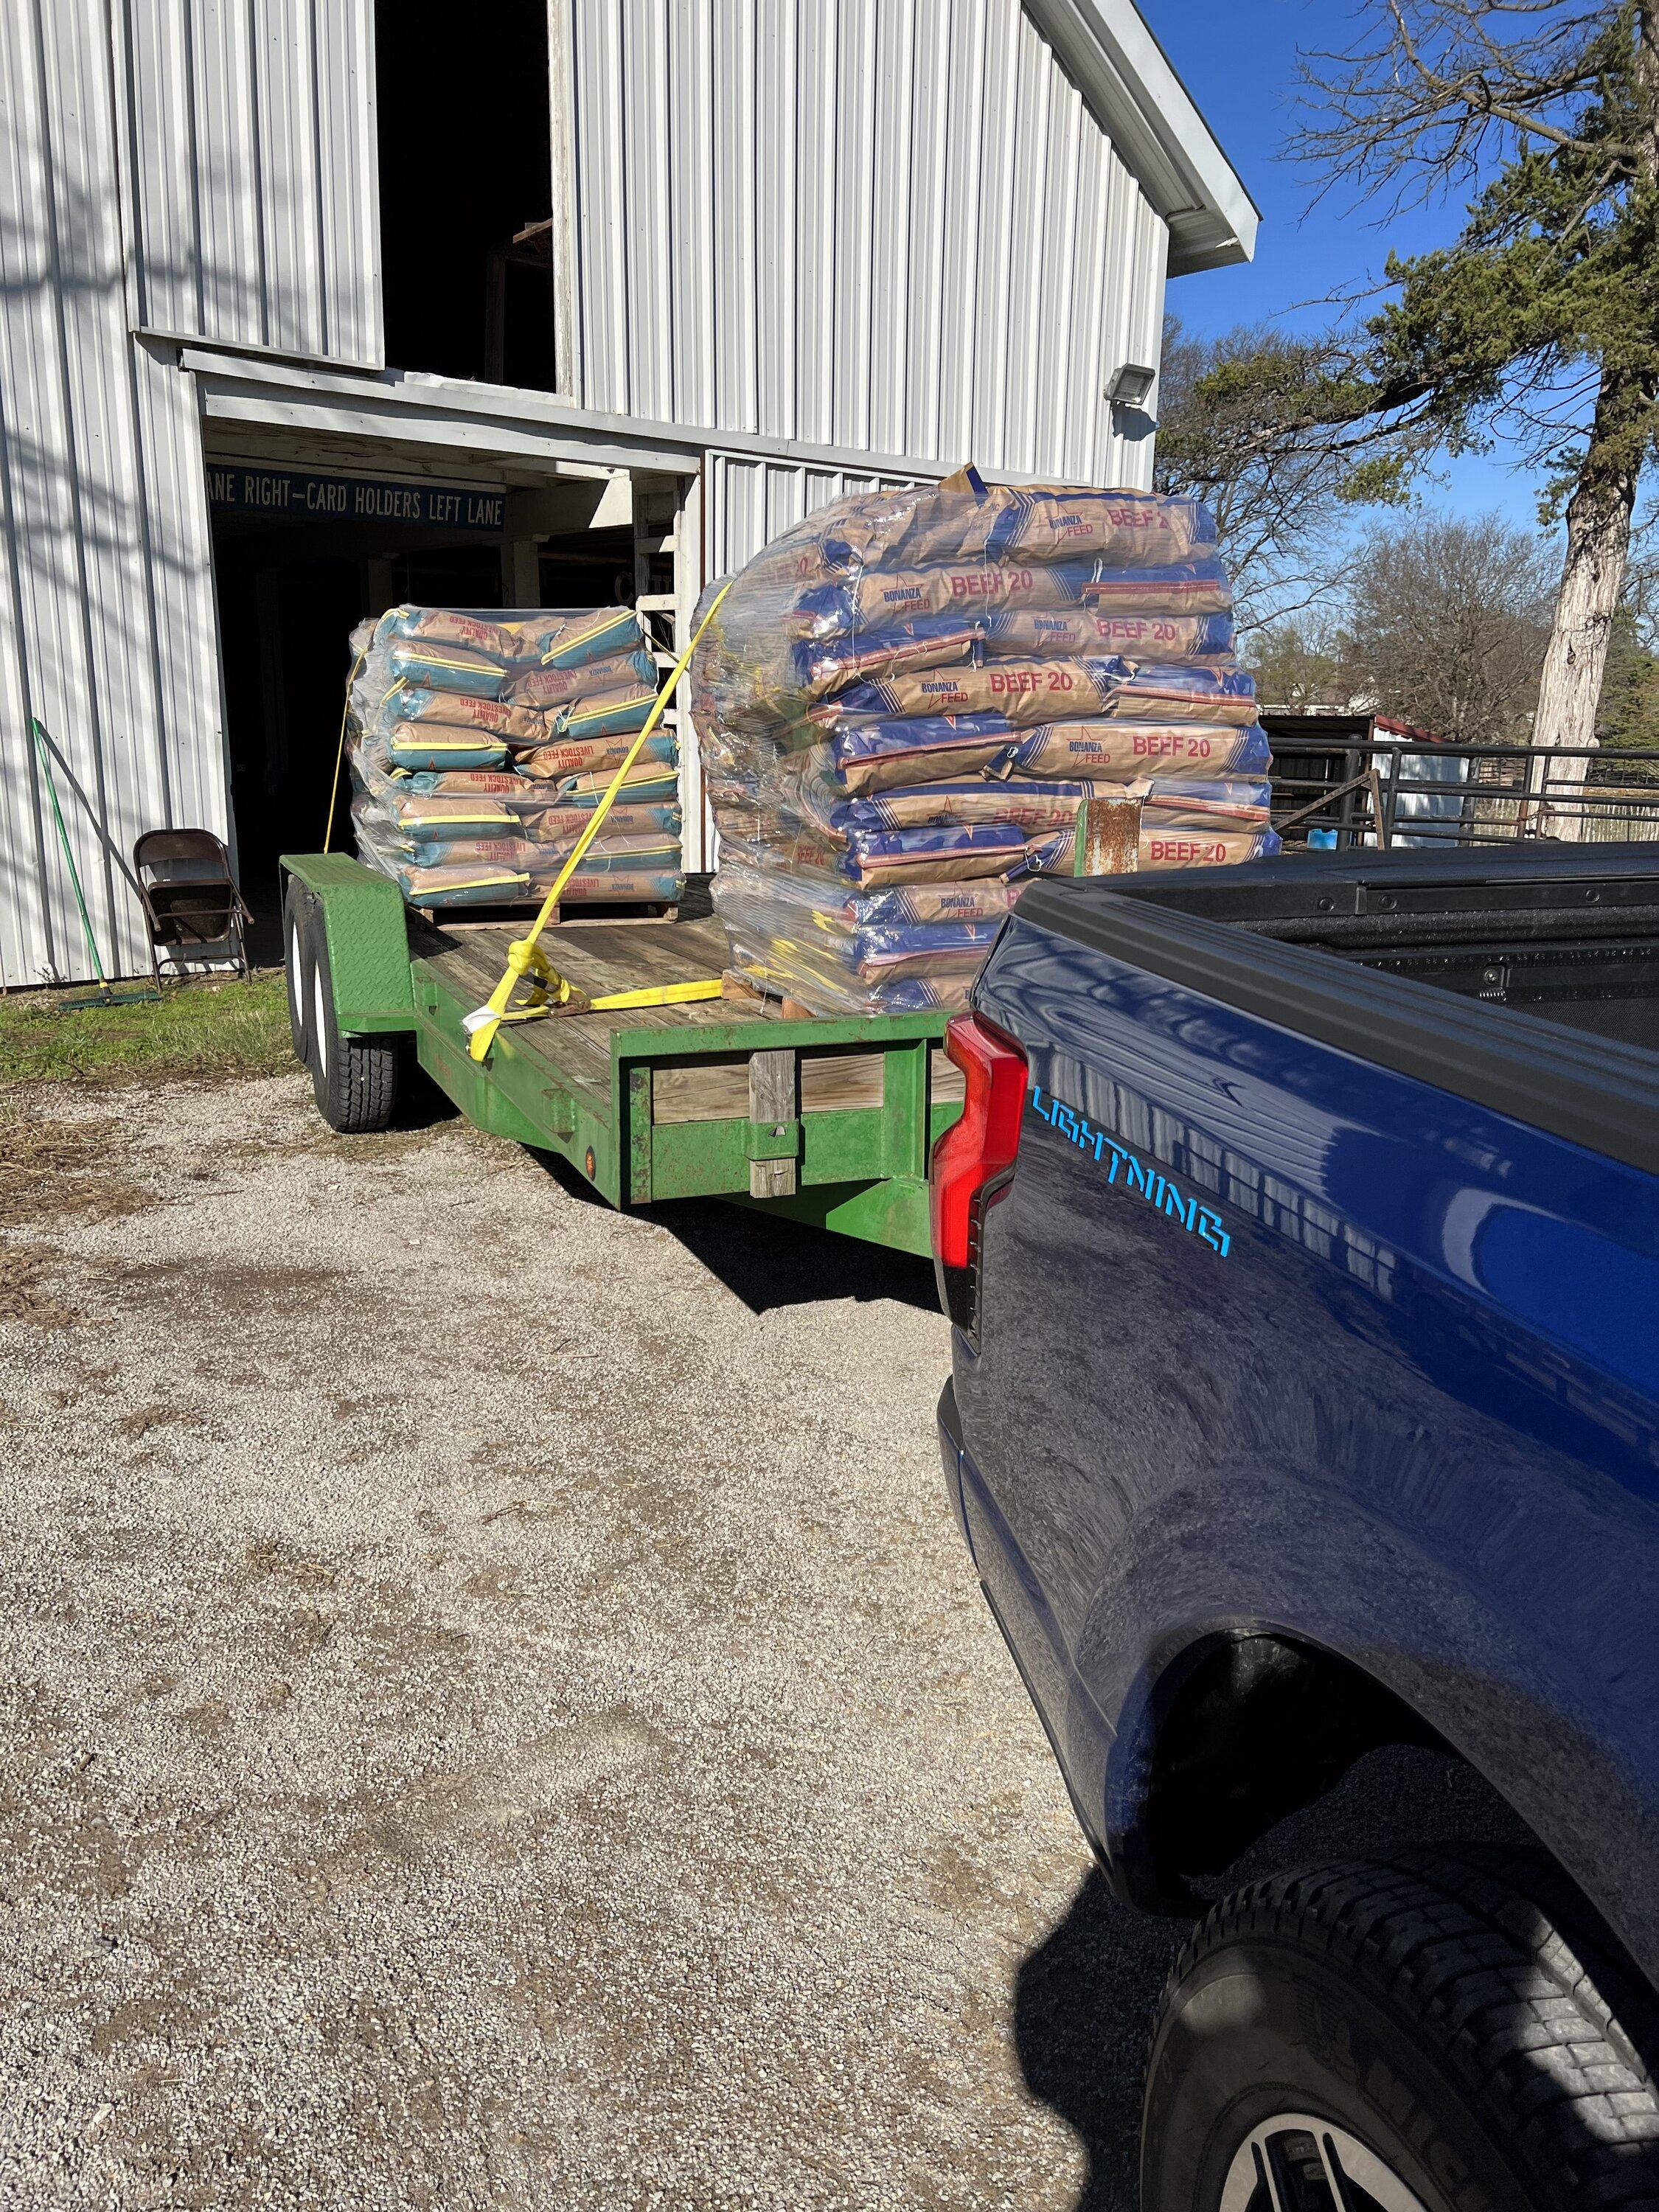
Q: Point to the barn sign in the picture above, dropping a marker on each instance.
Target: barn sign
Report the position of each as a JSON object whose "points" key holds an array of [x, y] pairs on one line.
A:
{"points": [[304, 495]]}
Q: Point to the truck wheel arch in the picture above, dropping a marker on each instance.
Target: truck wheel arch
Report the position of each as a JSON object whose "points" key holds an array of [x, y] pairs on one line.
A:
{"points": [[1240, 1730]]}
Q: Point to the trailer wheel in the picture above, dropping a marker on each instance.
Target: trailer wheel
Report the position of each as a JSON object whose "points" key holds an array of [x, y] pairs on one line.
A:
{"points": [[1413, 2037], [354, 1079], [295, 902]]}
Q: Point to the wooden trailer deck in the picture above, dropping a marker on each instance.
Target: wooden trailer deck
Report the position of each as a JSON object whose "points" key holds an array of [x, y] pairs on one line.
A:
{"points": [[830, 1120], [599, 958], [602, 958]]}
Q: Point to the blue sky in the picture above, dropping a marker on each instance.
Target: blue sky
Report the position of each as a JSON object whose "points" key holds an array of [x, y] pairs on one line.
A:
{"points": [[1238, 59]]}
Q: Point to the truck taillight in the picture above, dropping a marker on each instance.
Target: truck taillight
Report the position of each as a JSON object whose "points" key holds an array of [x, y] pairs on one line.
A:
{"points": [[974, 1160]]}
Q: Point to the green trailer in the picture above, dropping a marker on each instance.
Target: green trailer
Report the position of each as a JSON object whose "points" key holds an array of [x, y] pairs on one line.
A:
{"points": [[829, 1121]]}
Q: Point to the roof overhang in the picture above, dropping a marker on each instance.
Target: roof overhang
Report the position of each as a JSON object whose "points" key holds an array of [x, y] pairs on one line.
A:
{"points": [[535, 431], [1148, 114]]}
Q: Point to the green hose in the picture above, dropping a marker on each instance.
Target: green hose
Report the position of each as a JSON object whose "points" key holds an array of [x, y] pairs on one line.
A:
{"points": [[69, 856]]}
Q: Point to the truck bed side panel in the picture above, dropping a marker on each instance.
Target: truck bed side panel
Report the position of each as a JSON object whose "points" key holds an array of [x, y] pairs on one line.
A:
{"points": [[1314, 1346]]}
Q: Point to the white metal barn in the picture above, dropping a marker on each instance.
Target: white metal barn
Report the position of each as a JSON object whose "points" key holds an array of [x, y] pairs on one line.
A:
{"points": [[310, 306]]}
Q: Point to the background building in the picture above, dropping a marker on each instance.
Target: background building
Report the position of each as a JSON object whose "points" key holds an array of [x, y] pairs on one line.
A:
{"points": [[311, 306]]}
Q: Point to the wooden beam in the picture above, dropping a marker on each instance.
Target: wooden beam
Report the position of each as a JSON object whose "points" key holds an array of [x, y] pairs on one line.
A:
{"points": [[772, 1087]]}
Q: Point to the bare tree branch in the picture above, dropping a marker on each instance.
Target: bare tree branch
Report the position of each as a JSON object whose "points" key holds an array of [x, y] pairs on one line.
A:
{"points": [[1421, 108], [1239, 429]]}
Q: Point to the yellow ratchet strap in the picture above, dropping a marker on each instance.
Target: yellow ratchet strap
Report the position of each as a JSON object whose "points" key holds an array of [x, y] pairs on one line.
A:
{"points": [[665, 995], [525, 957], [339, 749]]}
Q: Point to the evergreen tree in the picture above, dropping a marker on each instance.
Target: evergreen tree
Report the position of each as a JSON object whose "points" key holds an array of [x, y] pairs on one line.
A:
{"points": [[1296, 663], [1628, 715]]}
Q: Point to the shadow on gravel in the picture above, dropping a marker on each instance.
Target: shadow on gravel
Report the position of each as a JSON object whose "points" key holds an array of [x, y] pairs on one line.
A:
{"points": [[419, 1103], [766, 1260], [1083, 2010], [571, 1180], [769, 1262]]}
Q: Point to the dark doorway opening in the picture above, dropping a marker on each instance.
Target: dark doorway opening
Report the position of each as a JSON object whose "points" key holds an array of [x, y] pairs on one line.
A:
{"points": [[588, 568], [466, 190], [289, 596]]}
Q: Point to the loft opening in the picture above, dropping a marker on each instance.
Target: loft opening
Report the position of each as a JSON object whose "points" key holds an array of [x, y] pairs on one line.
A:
{"points": [[466, 190]]}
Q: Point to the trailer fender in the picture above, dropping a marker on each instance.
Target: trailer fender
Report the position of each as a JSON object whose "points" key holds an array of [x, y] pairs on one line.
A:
{"points": [[367, 926]]}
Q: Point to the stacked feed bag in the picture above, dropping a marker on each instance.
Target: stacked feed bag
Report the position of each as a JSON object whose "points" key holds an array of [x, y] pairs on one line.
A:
{"points": [[902, 703], [482, 742]]}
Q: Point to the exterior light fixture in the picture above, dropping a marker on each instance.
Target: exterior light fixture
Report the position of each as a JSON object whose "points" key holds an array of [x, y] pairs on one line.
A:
{"points": [[1132, 386]]}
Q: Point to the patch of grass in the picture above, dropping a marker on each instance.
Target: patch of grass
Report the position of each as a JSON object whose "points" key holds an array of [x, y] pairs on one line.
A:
{"points": [[207, 1030], [61, 1167]]}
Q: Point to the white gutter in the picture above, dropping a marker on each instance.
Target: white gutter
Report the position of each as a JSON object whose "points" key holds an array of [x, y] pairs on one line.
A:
{"points": [[1148, 114]]}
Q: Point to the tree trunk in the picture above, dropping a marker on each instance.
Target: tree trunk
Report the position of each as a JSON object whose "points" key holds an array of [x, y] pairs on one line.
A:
{"points": [[1592, 577], [1599, 515]]}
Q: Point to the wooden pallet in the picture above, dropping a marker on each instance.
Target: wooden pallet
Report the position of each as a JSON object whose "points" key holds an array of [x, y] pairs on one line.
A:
{"points": [[761, 998], [518, 917]]}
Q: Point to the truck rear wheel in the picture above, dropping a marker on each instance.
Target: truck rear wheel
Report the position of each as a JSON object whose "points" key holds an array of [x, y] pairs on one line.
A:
{"points": [[354, 1079], [1412, 2038]]}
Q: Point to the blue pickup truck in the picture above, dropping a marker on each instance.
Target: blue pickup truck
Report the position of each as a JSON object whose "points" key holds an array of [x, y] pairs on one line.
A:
{"points": [[1301, 1237]]}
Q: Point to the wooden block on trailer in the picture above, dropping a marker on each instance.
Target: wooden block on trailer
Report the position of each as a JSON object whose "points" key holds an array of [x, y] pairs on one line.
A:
{"points": [[773, 1080], [1107, 839], [748, 994], [739, 987]]}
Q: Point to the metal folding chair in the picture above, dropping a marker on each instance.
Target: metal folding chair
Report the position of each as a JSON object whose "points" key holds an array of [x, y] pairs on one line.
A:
{"points": [[192, 907]]}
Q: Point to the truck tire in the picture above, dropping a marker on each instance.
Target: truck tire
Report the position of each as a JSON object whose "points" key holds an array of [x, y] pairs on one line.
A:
{"points": [[1422, 2028], [354, 1079], [295, 901]]}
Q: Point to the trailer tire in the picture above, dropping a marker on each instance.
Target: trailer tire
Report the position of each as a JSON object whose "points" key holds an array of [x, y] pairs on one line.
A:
{"points": [[1426, 2016], [296, 901], [354, 1079]]}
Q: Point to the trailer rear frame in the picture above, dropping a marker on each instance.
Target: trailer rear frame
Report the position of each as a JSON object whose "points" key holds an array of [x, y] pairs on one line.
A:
{"points": [[825, 1121]]}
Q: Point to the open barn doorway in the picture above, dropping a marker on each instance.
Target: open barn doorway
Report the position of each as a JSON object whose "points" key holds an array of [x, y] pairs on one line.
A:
{"points": [[466, 190], [301, 555], [305, 549], [288, 599]]}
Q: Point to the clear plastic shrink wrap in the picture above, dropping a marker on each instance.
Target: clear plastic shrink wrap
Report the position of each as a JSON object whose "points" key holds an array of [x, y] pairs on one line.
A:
{"points": [[480, 743], [902, 703]]}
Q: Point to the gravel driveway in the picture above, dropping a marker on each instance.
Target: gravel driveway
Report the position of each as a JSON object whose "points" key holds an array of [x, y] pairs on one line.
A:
{"points": [[495, 1713]]}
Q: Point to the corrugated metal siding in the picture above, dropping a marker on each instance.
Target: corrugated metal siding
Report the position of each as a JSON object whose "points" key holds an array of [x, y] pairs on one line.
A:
{"points": [[748, 503], [249, 129], [743, 504], [107, 612], [885, 224]]}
